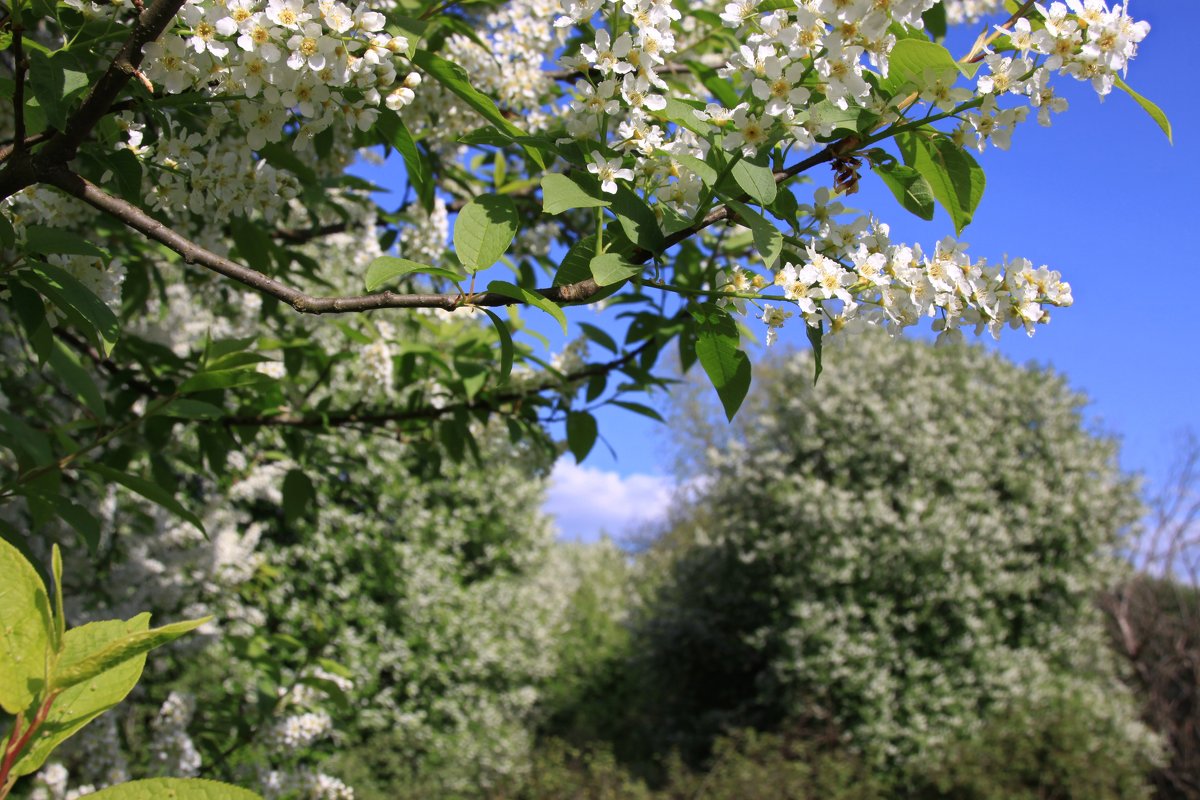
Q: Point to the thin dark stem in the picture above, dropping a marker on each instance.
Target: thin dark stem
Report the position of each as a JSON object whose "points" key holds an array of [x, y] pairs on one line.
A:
{"points": [[350, 418], [22, 64]]}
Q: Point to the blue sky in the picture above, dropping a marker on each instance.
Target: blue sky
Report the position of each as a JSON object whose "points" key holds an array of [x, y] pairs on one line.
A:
{"points": [[1100, 196]]}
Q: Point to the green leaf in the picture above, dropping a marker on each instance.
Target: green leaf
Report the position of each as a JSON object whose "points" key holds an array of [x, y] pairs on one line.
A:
{"points": [[954, 176], [415, 163], [756, 180], [60, 617], [84, 309], [598, 336], [484, 230], [174, 789], [581, 434], [454, 78], [683, 114], [506, 344], [187, 408], [82, 520], [576, 265], [253, 243], [532, 298], [1154, 111], [47, 240], [83, 702], [33, 443], [935, 21], [702, 170], [909, 60], [77, 379], [637, 220], [70, 673], [54, 86], [612, 268], [561, 192], [223, 379], [386, 269], [299, 497], [767, 238], [27, 625], [151, 491], [909, 187], [638, 408], [725, 364], [815, 337]]}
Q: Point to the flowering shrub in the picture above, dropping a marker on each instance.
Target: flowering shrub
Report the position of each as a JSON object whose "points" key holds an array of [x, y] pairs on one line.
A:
{"points": [[191, 378], [907, 552]]}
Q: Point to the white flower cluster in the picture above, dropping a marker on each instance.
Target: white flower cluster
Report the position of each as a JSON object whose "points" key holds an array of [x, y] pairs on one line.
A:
{"points": [[374, 363], [517, 38], [1082, 39], [305, 784], [917, 540], [172, 750], [425, 239], [299, 730], [868, 281], [312, 63], [216, 176]]}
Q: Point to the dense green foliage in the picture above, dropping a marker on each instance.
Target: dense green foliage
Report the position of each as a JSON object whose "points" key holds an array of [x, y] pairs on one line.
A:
{"points": [[906, 554]]}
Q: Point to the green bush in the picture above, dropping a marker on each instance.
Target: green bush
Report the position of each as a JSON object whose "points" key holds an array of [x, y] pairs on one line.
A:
{"points": [[903, 551]]}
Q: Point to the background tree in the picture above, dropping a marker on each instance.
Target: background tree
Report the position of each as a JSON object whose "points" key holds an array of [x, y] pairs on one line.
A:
{"points": [[907, 553]]}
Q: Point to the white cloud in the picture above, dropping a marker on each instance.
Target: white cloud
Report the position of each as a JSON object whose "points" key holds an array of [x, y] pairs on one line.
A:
{"points": [[587, 501]]}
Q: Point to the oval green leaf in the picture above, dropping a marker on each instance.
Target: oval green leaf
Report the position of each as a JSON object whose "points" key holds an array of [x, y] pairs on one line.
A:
{"points": [[174, 789], [484, 230]]}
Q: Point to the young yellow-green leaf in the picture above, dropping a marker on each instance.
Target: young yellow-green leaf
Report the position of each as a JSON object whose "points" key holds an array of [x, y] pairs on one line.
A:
{"points": [[174, 789], [767, 238], [454, 78], [83, 702], [117, 652], [532, 298], [484, 230], [60, 618], [506, 344], [725, 364], [910, 58], [386, 269], [561, 192], [581, 433], [151, 491], [1150, 108], [26, 630], [756, 180], [909, 187], [612, 268]]}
